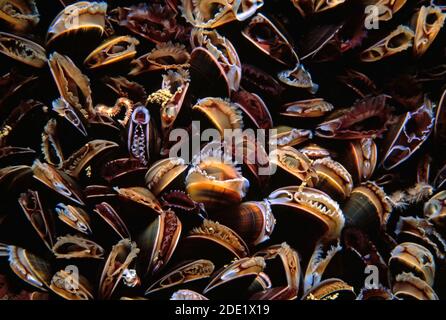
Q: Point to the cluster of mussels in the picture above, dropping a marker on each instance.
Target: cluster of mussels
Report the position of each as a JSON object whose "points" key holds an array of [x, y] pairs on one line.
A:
{"points": [[95, 206]]}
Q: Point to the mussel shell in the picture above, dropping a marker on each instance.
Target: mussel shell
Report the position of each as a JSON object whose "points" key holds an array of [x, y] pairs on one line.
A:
{"points": [[204, 68], [70, 287], [414, 258], [159, 241], [331, 289], [75, 247], [212, 241], [22, 16], [77, 18], [111, 217], [230, 280], [283, 266], [409, 287], [32, 269], [57, 181], [380, 293], [253, 221], [163, 173], [104, 55], [367, 207], [121, 257], [188, 274], [75, 217], [333, 178], [41, 220], [22, 50]]}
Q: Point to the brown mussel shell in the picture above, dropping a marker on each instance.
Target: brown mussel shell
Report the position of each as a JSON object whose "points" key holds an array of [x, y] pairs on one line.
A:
{"points": [[112, 51], [76, 247], [19, 15], [64, 284], [230, 279], [22, 50], [120, 259], [331, 289], [159, 241], [190, 273], [76, 18]]}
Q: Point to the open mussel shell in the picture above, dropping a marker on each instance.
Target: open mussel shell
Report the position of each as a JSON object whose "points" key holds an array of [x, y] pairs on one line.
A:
{"points": [[57, 181], [360, 159], [75, 217], [266, 37], [201, 14], [188, 274], [142, 136], [253, 221], [121, 258], [222, 114], [71, 286], [368, 207], [294, 164], [397, 41], [163, 174], [230, 280], [367, 118], [165, 56], [75, 247], [427, 23], [22, 50], [19, 15], [124, 171], [72, 84], [380, 293], [186, 294], [112, 218], [303, 206], [75, 118], [190, 213], [141, 197], [331, 289], [41, 220], [159, 241], [414, 258], [409, 287], [312, 108], [333, 178], [299, 77], [213, 241], [283, 267], [315, 151], [112, 51], [81, 159], [407, 135], [32, 269], [222, 50], [80, 17]]}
